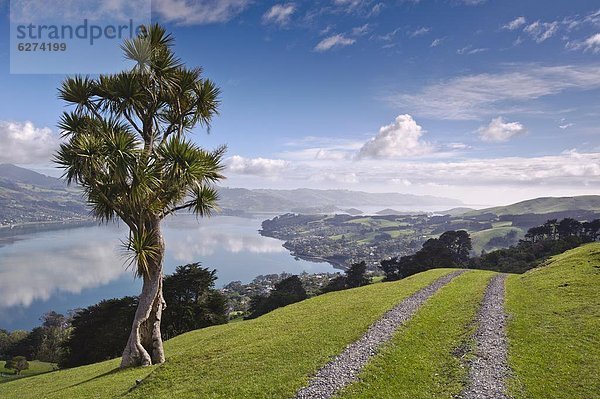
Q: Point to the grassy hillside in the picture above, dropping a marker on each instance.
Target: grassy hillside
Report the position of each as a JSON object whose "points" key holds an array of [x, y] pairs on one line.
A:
{"points": [[554, 344], [554, 328], [545, 205], [269, 357], [35, 367]]}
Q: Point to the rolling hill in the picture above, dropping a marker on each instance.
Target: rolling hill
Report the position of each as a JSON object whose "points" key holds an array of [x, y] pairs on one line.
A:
{"points": [[553, 344], [544, 205], [27, 196]]}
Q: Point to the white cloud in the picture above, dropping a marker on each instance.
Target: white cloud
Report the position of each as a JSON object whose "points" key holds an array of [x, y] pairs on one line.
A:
{"points": [[474, 96], [541, 31], [360, 30], [498, 130], [332, 41], [419, 32], [377, 8], [515, 23], [592, 44], [279, 14], [566, 126], [350, 4], [436, 42], [24, 143], [402, 138], [470, 50], [198, 12], [257, 166]]}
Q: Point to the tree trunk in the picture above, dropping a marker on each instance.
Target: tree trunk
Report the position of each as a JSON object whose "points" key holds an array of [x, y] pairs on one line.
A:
{"points": [[145, 346]]}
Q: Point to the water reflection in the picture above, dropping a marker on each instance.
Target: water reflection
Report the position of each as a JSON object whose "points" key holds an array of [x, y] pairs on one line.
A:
{"points": [[39, 268], [64, 269]]}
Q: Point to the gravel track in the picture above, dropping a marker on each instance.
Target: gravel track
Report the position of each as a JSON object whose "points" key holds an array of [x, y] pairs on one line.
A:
{"points": [[489, 368], [344, 368]]}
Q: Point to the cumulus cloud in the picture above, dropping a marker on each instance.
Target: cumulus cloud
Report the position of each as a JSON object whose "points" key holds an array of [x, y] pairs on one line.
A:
{"points": [[515, 23], [474, 96], [279, 14], [498, 130], [198, 12], [332, 41], [402, 138], [24, 143], [256, 166], [541, 31]]}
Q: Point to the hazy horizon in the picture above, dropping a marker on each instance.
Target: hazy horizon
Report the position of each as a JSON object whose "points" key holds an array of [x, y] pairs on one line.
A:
{"points": [[486, 102]]}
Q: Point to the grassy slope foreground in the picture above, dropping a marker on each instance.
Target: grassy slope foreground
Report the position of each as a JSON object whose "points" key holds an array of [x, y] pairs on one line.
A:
{"points": [[553, 330], [269, 357], [554, 327], [426, 357]]}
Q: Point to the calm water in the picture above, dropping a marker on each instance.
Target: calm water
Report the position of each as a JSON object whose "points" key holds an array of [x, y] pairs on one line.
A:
{"points": [[65, 269]]}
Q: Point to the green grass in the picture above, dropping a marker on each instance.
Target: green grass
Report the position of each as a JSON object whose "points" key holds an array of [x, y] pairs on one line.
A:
{"points": [[269, 357], [35, 367], [554, 328], [424, 359]]}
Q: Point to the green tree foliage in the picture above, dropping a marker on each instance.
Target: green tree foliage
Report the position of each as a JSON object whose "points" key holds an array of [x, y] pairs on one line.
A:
{"points": [[551, 238], [354, 276], [100, 331], [451, 249], [126, 146], [285, 292], [42, 343], [193, 301], [17, 363]]}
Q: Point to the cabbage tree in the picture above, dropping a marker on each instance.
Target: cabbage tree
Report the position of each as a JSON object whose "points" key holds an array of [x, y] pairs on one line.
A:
{"points": [[127, 146]]}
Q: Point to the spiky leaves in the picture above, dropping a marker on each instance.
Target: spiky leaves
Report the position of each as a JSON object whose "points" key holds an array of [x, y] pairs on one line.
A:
{"points": [[126, 140]]}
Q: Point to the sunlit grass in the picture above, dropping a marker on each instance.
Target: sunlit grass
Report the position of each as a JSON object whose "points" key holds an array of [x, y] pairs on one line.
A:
{"points": [[425, 359], [269, 357], [554, 327]]}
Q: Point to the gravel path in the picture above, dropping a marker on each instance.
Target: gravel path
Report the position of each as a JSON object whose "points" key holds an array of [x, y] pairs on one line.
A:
{"points": [[489, 368], [344, 368]]}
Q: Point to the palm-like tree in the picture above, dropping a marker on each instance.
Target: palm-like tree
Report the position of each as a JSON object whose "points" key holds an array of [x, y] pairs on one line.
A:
{"points": [[126, 146]]}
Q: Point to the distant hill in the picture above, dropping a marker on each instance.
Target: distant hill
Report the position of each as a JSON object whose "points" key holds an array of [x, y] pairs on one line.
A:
{"points": [[29, 197], [544, 205], [16, 174], [389, 211], [456, 211], [268, 200]]}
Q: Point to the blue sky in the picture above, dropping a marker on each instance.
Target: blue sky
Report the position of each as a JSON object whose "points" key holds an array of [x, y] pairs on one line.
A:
{"points": [[486, 101]]}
